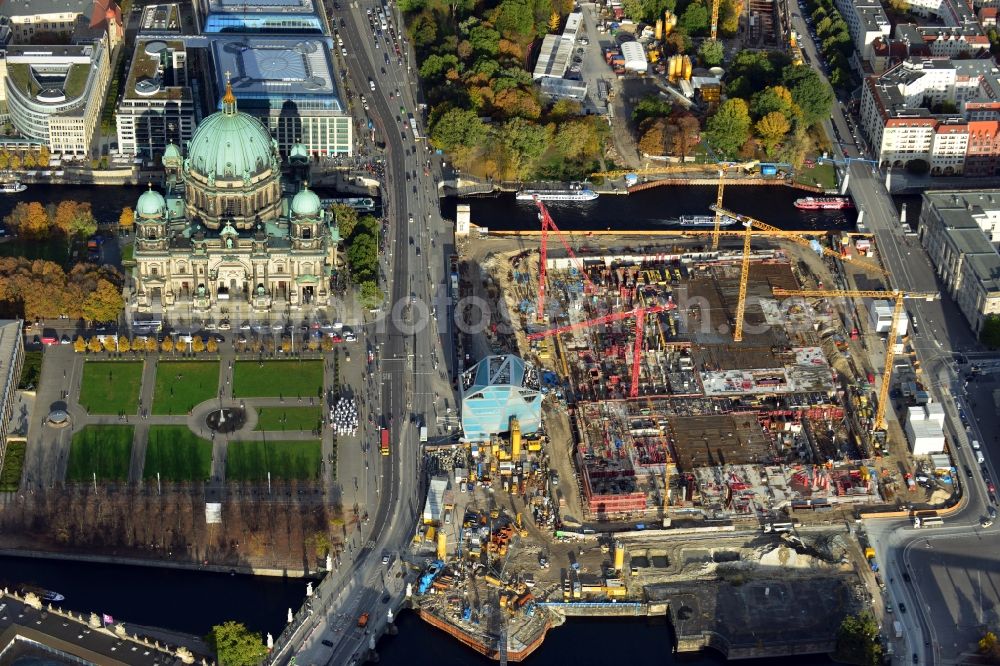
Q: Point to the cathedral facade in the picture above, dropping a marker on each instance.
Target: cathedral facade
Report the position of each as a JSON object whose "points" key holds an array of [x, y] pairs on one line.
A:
{"points": [[225, 239]]}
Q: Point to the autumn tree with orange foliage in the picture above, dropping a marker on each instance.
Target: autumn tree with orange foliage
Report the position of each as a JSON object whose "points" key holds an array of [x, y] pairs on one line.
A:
{"points": [[43, 290]]}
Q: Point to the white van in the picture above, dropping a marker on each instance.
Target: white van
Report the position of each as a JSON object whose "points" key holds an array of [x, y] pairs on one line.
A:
{"points": [[979, 457], [975, 444]]}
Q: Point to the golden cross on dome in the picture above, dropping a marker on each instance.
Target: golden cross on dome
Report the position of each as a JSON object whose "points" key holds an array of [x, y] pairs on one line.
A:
{"points": [[229, 99]]}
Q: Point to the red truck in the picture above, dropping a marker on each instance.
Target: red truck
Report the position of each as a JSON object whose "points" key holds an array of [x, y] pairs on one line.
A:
{"points": [[384, 443]]}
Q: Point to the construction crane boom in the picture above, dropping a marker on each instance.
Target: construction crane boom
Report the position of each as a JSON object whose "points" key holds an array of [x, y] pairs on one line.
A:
{"points": [[640, 322], [751, 223], [677, 168], [741, 303], [801, 240], [548, 224], [890, 344], [715, 18]]}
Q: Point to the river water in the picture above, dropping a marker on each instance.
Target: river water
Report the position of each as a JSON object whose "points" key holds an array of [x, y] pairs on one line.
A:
{"points": [[191, 602], [650, 209]]}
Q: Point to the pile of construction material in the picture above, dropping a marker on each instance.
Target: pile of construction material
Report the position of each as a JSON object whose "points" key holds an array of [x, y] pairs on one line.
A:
{"points": [[344, 417]]}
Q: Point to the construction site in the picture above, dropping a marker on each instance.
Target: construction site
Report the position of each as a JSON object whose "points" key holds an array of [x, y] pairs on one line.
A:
{"points": [[728, 387]]}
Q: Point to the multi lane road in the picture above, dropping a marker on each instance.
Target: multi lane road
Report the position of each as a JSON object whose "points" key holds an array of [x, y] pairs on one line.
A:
{"points": [[930, 572], [407, 385], [935, 630]]}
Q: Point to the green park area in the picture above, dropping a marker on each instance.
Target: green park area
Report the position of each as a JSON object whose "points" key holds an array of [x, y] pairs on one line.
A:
{"points": [[180, 385], [818, 175], [177, 454], [251, 461], [288, 418], [278, 379], [111, 387], [13, 463], [104, 450]]}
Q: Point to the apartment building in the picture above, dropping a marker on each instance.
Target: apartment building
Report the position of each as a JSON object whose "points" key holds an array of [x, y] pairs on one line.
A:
{"points": [[922, 109], [866, 22], [982, 157], [945, 42], [29, 18]]}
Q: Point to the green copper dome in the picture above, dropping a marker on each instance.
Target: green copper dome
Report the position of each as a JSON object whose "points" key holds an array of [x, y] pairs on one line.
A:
{"points": [[306, 203], [230, 144], [172, 152], [151, 204]]}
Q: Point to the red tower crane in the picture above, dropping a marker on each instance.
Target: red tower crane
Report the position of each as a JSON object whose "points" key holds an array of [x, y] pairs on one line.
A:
{"points": [[640, 320], [547, 225]]}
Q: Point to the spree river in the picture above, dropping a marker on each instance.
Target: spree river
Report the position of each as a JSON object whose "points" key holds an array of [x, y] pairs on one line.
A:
{"points": [[650, 209], [654, 209], [192, 601]]}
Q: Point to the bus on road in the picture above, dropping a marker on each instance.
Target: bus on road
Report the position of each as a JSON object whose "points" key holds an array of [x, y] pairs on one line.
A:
{"points": [[383, 446], [927, 520]]}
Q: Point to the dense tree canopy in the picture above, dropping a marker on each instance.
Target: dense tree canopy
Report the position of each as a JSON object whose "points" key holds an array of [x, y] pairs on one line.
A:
{"points": [[774, 99], [70, 219], [711, 52], [650, 106], [812, 95], [729, 128], [694, 20], [990, 333], [485, 109], [42, 289], [234, 644], [772, 129], [457, 128], [647, 10], [858, 640]]}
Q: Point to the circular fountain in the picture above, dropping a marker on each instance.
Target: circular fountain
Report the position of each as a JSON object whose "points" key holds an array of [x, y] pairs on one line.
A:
{"points": [[226, 419]]}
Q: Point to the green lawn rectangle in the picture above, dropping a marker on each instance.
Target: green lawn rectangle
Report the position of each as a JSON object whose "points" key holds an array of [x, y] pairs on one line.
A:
{"points": [[180, 385], [13, 463], [31, 371], [275, 379], [288, 418], [102, 449], [820, 175], [110, 387], [251, 461], [177, 454]]}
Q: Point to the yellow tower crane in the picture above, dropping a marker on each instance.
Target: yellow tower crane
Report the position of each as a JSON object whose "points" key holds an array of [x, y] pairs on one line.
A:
{"points": [[750, 225], [890, 345], [715, 18], [723, 168]]}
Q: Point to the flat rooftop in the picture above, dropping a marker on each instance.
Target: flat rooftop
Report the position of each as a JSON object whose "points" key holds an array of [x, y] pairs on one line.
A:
{"points": [[273, 71], [42, 7], [145, 80], [261, 7], [10, 335]]}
